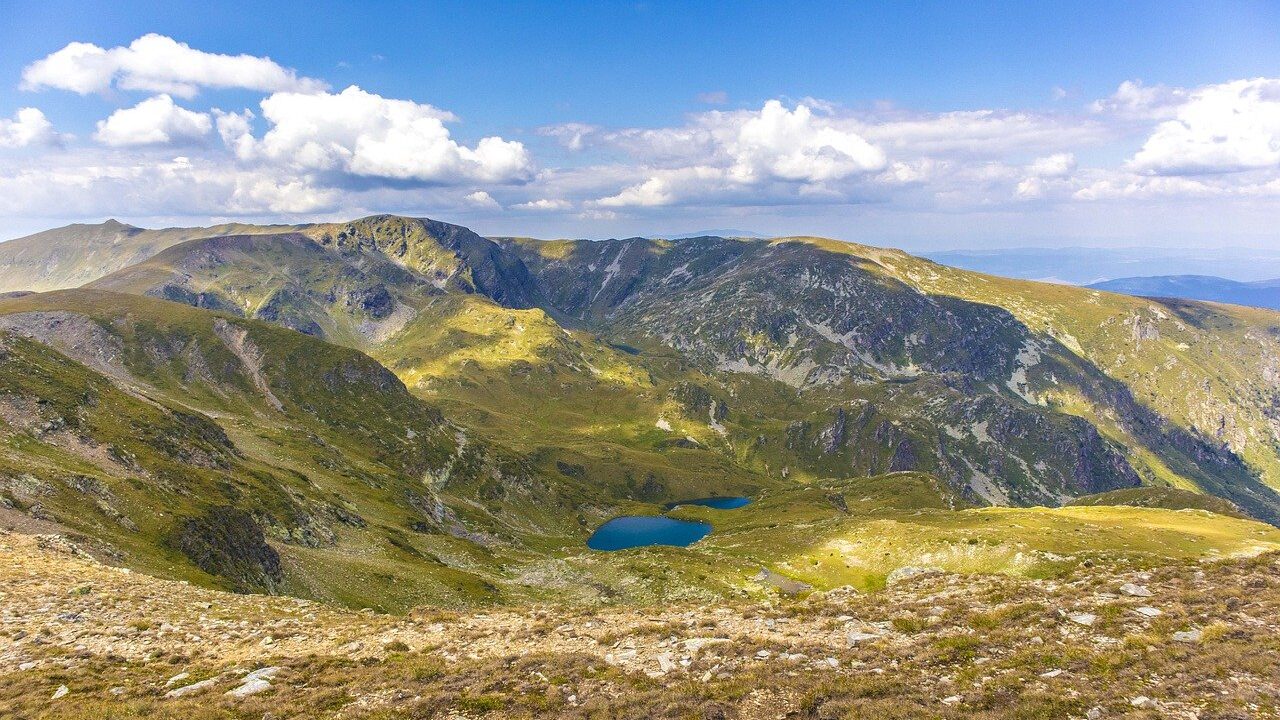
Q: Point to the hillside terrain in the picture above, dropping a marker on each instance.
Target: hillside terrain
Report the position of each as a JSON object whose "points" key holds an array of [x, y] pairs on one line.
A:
{"points": [[82, 639], [393, 412], [1262, 293], [969, 496], [71, 256]]}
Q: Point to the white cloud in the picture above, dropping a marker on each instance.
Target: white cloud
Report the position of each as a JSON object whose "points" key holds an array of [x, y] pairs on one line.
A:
{"points": [[158, 64], [27, 127], [794, 145], [979, 133], [1058, 165], [1135, 100], [362, 134], [481, 199], [571, 135], [737, 151], [154, 121], [1136, 187], [1229, 127], [545, 205]]}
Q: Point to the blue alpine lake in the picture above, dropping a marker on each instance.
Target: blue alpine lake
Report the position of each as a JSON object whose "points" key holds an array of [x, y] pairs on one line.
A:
{"points": [[632, 531], [637, 531], [719, 503]]}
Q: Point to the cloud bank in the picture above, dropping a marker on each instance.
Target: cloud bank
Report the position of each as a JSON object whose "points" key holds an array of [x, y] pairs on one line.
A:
{"points": [[163, 149]]}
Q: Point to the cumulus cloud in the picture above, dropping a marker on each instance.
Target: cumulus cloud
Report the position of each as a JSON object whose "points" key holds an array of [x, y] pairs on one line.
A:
{"points": [[1133, 99], [158, 64], [734, 151], [154, 121], [481, 199], [794, 145], [1058, 165], [363, 134], [571, 135], [545, 205], [305, 150], [27, 127], [1229, 127]]}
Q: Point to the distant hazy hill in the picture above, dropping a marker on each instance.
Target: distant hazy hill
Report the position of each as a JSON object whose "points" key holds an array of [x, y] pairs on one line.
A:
{"points": [[73, 255], [1082, 265], [718, 232], [1264, 294]]}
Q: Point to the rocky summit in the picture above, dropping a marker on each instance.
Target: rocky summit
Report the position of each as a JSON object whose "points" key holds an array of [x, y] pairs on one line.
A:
{"points": [[350, 470]]}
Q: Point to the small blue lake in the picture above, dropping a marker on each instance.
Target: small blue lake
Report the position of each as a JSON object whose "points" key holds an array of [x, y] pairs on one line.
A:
{"points": [[640, 530], [637, 531], [719, 503]]}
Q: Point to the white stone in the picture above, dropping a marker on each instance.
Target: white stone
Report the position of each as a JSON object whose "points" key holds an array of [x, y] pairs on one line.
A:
{"points": [[1051, 674], [1085, 619], [952, 700], [1148, 611], [1135, 590], [857, 636], [253, 687], [60, 693], [1187, 636], [192, 688]]}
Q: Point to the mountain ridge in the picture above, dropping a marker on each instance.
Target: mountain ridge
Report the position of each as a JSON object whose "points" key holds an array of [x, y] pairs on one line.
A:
{"points": [[1210, 288], [855, 391]]}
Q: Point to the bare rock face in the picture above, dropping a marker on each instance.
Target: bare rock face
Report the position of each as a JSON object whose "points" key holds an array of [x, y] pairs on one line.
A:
{"points": [[228, 543]]}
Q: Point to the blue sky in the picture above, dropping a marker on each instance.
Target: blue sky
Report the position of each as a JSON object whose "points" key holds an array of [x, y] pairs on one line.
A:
{"points": [[925, 125]]}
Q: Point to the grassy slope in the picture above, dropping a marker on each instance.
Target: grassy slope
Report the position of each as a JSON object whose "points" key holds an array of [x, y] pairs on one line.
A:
{"points": [[579, 418], [349, 441], [71, 256], [1207, 369]]}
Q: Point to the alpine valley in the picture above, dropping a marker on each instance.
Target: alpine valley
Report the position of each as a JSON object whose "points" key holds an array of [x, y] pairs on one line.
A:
{"points": [[396, 413]]}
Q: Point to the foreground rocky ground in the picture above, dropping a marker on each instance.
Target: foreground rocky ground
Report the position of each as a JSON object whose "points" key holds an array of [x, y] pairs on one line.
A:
{"points": [[79, 639]]}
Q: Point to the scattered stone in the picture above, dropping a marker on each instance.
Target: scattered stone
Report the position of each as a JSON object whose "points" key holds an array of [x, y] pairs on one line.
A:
{"points": [[60, 693], [1135, 590], [255, 682], [1051, 674], [176, 679], [1085, 619], [909, 571], [952, 700], [784, 584], [253, 687], [192, 689], [1187, 636], [1148, 611], [1143, 702], [1094, 713], [857, 636]]}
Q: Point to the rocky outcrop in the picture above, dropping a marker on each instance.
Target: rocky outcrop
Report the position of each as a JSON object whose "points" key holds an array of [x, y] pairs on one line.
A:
{"points": [[228, 543]]}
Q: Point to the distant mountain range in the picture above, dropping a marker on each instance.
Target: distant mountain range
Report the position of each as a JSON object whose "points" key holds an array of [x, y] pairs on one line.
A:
{"points": [[1084, 265], [1263, 293]]}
